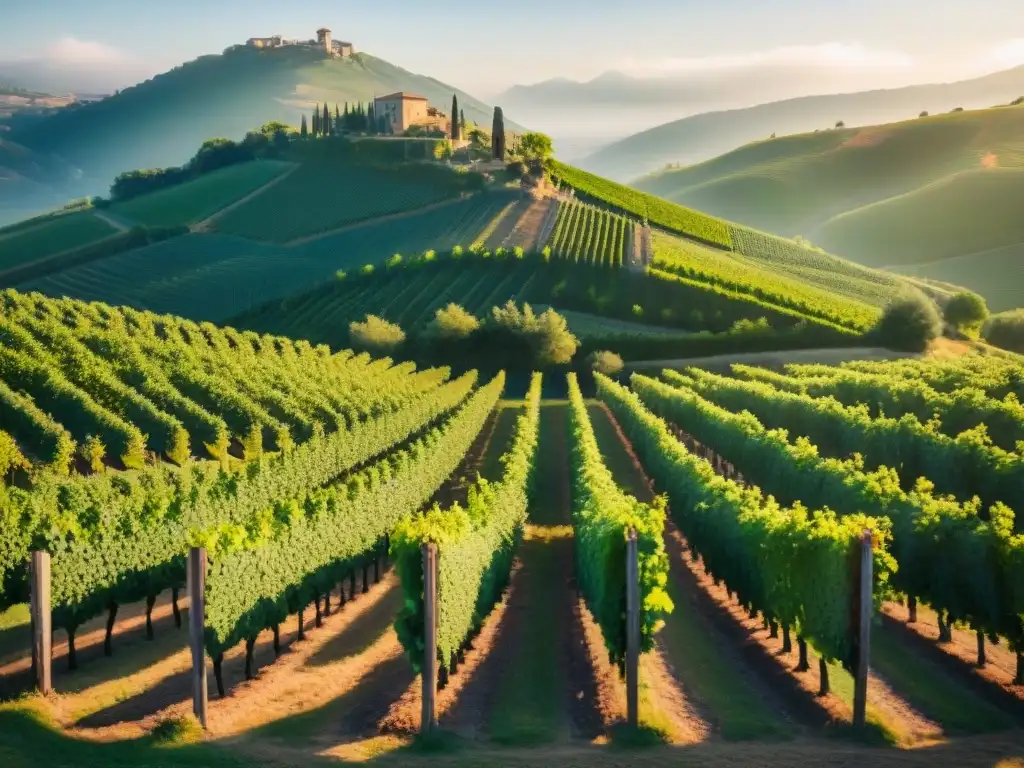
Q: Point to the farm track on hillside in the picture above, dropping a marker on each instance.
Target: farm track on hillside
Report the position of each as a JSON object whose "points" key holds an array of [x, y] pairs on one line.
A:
{"points": [[205, 224], [119, 223], [499, 236], [528, 230], [379, 220], [766, 359]]}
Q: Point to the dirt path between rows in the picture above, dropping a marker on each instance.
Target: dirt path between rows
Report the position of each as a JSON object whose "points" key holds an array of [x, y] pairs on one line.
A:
{"points": [[537, 685], [308, 674], [766, 681]]}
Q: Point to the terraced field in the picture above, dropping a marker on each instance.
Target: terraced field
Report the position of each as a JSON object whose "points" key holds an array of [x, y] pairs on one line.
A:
{"points": [[697, 262], [591, 235], [318, 198], [612, 302], [216, 276], [813, 266], [22, 245], [196, 200]]}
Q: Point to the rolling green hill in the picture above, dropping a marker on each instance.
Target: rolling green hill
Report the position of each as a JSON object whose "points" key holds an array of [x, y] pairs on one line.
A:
{"points": [[903, 195], [161, 121], [703, 136]]}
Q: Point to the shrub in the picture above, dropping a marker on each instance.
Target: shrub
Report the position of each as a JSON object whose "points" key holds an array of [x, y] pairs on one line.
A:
{"points": [[177, 730], [92, 452], [605, 362], [967, 312], [545, 338], [376, 336], [910, 323], [453, 322], [1006, 330], [10, 457]]}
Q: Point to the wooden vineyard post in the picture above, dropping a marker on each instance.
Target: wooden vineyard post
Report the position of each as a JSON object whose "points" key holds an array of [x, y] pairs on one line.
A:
{"points": [[197, 629], [428, 721], [863, 608], [42, 618], [632, 630]]}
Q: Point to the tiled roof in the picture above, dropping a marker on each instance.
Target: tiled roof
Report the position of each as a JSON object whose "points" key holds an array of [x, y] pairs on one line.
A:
{"points": [[402, 96]]}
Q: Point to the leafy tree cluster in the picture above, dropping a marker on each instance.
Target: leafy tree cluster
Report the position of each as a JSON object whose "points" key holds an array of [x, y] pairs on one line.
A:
{"points": [[910, 323], [270, 140], [1006, 330], [376, 336], [966, 312]]}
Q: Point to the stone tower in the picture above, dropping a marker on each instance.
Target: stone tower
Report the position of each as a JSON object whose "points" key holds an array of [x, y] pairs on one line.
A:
{"points": [[323, 38]]}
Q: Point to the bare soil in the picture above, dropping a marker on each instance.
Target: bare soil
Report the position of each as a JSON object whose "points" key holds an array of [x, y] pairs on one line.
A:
{"points": [[499, 238], [528, 229], [994, 681], [329, 662]]}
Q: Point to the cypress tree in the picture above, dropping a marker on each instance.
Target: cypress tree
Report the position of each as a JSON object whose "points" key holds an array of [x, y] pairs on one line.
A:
{"points": [[498, 135], [462, 121], [371, 119], [337, 119], [303, 130], [456, 133], [327, 120], [316, 120]]}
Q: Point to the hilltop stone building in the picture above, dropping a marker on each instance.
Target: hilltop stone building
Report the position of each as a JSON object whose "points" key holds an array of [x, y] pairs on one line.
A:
{"points": [[404, 110], [336, 48]]}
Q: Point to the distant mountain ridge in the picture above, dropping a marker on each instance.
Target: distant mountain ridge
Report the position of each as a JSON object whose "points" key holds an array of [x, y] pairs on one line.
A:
{"points": [[161, 121], [700, 137]]}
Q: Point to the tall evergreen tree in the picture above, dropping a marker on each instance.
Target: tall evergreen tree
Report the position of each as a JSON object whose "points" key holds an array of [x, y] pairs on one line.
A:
{"points": [[303, 129], [337, 119], [327, 120], [462, 121], [456, 133], [316, 120], [498, 135], [371, 119]]}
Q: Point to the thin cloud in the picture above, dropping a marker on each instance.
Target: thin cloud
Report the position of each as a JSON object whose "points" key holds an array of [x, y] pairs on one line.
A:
{"points": [[71, 50], [836, 55], [1004, 55]]}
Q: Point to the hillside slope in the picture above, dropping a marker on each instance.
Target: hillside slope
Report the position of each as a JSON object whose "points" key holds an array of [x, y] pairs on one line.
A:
{"points": [[697, 138], [896, 195], [160, 122]]}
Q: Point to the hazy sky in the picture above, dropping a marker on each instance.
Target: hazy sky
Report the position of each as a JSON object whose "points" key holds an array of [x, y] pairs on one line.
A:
{"points": [[485, 47]]}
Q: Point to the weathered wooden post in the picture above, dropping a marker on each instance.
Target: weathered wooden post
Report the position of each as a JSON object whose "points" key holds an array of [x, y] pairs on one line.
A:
{"points": [[632, 630], [42, 622], [428, 721], [863, 609], [197, 629]]}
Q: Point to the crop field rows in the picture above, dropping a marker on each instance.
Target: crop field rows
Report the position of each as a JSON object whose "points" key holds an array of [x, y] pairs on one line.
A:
{"points": [[319, 198], [49, 237], [830, 273], [736, 588], [213, 277], [201, 198], [704, 264], [657, 211], [585, 233]]}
